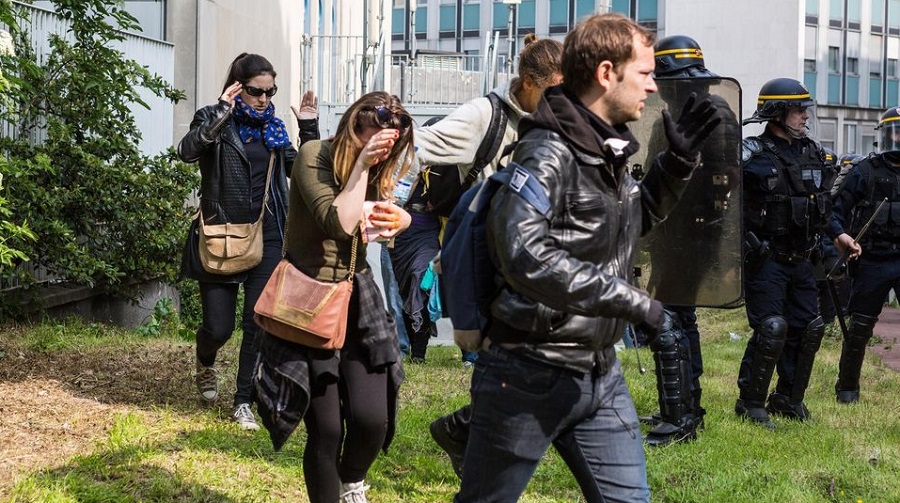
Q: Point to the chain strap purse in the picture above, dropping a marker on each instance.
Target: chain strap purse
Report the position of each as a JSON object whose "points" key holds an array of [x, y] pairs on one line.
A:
{"points": [[303, 310]]}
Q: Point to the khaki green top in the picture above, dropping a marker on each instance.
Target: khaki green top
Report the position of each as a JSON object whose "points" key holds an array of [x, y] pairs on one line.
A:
{"points": [[315, 242]]}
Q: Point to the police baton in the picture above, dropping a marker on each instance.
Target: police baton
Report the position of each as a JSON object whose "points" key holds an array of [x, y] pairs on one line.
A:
{"points": [[859, 236], [832, 290]]}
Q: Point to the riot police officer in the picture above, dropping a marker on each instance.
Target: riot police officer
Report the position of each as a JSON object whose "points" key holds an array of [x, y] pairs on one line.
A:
{"points": [[874, 180], [786, 207], [676, 351]]}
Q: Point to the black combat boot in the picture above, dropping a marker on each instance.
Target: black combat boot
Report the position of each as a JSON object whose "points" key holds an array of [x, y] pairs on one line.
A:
{"points": [[853, 351], [673, 383], [757, 368]]}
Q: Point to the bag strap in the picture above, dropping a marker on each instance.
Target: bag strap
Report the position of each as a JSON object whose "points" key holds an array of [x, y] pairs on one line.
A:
{"points": [[268, 183], [492, 140], [262, 210], [353, 257]]}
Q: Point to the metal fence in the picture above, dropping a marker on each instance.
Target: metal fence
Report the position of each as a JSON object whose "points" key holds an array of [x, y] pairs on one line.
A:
{"points": [[429, 84], [156, 124]]}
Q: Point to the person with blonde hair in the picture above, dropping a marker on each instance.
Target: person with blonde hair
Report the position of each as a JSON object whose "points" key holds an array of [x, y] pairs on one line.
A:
{"points": [[346, 398]]}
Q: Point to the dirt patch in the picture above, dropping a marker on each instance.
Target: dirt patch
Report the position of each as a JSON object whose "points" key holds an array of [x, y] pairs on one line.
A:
{"points": [[58, 405], [46, 422]]}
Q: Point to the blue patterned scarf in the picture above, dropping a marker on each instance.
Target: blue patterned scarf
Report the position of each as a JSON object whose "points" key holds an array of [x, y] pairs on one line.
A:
{"points": [[251, 124]]}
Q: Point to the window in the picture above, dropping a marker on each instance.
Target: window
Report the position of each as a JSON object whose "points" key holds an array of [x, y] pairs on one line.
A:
{"points": [[809, 65], [875, 55], [471, 16], [877, 12], [853, 66], [812, 7], [421, 20], [854, 15], [892, 68], [834, 59], [827, 132], [398, 21], [893, 13], [526, 15], [850, 137], [583, 8], [501, 15], [559, 12], [647, 11], [622, 7], [836, 10], [448, 19]]}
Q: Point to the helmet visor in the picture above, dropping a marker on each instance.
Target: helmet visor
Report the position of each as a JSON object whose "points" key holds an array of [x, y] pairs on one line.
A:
{"points": [[889, 136], [799, 121]]}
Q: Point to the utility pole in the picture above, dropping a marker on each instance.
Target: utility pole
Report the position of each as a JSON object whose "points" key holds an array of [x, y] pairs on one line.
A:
{"points": [[511, 34]]}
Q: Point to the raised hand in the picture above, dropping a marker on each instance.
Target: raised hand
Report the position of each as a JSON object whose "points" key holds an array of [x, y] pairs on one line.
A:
{"points": [[378, 148], [309, 107], [231, 92], [695, 124]]}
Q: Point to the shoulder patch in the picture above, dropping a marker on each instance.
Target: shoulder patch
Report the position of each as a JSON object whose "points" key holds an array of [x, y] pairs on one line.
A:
{"points": [[750, 147]]}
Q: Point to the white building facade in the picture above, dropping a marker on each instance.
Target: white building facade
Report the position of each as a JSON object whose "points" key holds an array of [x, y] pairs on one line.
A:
{"points": [[845, 51]]}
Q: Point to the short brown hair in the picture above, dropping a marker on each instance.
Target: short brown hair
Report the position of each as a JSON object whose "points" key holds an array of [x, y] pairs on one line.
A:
{"points": [[599, 38]]}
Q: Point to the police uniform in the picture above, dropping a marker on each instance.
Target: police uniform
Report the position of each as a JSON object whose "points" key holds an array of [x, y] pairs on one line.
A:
{"points": [[786, 206], [676, 351], [874, 180]]}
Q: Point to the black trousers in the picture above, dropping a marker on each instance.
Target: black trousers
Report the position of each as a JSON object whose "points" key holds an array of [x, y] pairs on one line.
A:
{"points": [[219, 301]]}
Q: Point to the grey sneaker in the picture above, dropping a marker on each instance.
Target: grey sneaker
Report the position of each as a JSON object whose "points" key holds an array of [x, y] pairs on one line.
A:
{"points": [[354, 492], [244, 417], [207, 379]]}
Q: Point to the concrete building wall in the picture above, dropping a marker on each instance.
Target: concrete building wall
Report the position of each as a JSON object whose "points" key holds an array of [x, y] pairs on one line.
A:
{"points": [[209, 34], [752, 42]]}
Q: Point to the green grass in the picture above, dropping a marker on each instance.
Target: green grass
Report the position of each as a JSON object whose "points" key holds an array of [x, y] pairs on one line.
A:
{"points": [[181, 452]]}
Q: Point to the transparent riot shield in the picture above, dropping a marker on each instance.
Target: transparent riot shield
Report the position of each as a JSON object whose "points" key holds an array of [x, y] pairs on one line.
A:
{"points": [[694, 257]]}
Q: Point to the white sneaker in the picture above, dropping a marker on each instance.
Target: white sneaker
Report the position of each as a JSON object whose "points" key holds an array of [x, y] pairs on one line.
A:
{"points": [[207, 379], [354, 492], [244, 417]]}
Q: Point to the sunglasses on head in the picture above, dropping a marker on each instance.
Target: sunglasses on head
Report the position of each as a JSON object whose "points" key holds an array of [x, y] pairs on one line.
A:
{"points": [[388, 119], [257, 92]]}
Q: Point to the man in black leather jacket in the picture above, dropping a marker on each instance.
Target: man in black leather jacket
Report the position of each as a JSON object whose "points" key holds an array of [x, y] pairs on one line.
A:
{"points": [[550, 374]]}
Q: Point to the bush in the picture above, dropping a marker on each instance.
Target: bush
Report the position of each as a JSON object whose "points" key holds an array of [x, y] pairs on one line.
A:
{"points": [[105, 214]]}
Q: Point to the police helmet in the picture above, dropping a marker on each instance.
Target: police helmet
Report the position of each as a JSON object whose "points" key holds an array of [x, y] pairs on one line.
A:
{"points": [[679, 57], [776, 97], [848, 159], [889, 133], [831, 158]]}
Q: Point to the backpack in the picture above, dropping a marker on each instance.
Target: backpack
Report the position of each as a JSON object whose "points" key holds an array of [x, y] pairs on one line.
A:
{"points": [[467, 272], [444, 188]]}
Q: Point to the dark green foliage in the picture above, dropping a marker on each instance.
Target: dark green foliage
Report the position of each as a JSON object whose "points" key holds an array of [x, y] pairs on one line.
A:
{"points": [[105, 215]]}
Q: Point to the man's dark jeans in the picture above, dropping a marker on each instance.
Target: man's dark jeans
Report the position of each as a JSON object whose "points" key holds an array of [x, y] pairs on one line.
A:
{"points": [[520, 406]]}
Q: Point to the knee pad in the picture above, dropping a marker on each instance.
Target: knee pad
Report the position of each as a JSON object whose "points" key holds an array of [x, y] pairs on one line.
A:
{"points": [[670, 335], [860, 330], [771, 334]]}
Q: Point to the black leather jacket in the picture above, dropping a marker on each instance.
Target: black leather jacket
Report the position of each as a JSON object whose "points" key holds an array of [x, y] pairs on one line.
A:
{"points": [[225, 169], [566, 293]]}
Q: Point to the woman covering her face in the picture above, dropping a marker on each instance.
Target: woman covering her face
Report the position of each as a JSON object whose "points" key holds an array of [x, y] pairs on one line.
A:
{"points": [[346, 398]]}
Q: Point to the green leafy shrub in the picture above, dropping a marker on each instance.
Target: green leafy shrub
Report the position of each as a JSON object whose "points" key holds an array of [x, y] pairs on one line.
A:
{"points": [[105, 215]]}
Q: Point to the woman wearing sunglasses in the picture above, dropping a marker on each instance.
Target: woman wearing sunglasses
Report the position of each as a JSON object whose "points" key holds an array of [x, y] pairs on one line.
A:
{"points": [[346, 398], [233, 141]]}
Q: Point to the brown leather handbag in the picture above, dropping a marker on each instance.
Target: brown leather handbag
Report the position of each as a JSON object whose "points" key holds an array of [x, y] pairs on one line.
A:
{"points": [[300, 309], [232, 248]]}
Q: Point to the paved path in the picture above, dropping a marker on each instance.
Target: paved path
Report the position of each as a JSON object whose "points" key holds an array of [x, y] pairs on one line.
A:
{"points": [[888, 330]]}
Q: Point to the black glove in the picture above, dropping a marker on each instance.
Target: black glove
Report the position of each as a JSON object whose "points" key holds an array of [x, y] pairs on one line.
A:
{"points": [[652, 324], [693, 127]]}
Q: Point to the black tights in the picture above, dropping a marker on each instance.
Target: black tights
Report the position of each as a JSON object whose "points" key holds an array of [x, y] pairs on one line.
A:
{"points": [[343, 441]]}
